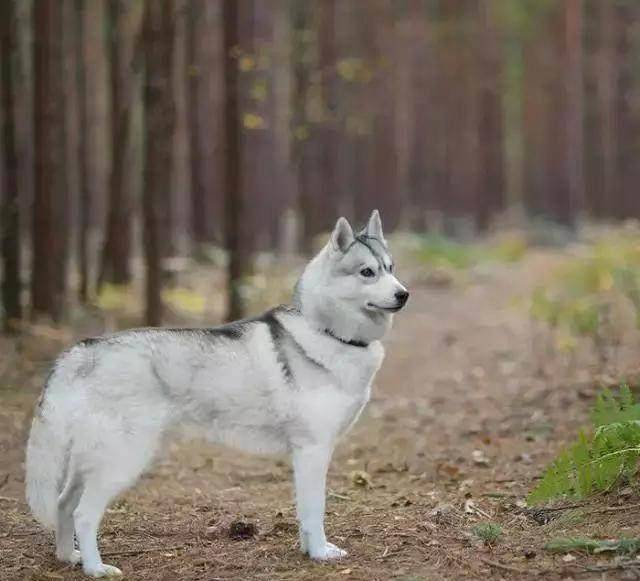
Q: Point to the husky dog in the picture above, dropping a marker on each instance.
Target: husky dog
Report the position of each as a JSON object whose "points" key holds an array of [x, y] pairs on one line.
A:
{"points": [[291, 380]]}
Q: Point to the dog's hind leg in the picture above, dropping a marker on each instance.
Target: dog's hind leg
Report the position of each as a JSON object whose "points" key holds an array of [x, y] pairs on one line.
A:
{"points": [[87, 517], [67, 502], [108, 467]]}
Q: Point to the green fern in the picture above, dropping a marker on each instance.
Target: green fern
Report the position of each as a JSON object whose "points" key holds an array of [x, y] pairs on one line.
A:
{"points": [[598, 461]]}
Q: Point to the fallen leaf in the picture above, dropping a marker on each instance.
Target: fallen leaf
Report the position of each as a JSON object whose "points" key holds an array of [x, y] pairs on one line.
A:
{"points": [[361, 479], [479, 458]]}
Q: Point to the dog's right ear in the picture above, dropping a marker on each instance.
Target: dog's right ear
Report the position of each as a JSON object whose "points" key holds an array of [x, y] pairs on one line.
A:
{"points": [[342, 236]]}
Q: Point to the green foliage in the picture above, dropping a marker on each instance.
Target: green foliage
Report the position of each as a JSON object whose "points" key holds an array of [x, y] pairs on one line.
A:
{"points": [[439, 251], [566, 545], [581, 297], [488, 532], [596, 462]]}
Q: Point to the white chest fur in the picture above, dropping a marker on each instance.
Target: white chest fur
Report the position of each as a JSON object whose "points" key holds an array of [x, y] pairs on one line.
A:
{"points": [[331, 401]]}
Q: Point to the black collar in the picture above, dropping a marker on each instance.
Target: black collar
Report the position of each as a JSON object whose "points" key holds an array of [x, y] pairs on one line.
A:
{"points": [[353, 342]]}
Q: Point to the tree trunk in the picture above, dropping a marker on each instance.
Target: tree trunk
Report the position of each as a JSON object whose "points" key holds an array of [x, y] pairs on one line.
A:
{"points": [[491, 195], [300, 125], [239, 256], [574, 109], [49, 236], [159, 120], [115, 267], [84, 192], [199, 217], [9, 214]]}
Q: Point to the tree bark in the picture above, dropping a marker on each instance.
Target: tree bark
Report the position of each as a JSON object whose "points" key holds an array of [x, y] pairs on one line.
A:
{"points": [[115, 267], [491, 194], [239, 256], [574, 109], [84, 192], [49, 237], [199, 216], [159, 119], [10, 211]]}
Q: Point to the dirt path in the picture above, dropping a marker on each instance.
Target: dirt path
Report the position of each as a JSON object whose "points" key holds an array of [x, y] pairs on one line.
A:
{"points": [[459, 426]]}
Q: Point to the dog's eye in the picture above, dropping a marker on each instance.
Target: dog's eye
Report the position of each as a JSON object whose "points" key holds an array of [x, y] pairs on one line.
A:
{"points": [[367, 272]]}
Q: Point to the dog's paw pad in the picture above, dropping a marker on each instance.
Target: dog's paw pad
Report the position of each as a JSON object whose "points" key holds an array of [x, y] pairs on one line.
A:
{"points": [[328, 553], [103, 570]]}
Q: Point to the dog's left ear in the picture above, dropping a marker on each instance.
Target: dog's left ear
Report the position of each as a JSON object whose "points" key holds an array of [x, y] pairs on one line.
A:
{"points": [[374, 227]]}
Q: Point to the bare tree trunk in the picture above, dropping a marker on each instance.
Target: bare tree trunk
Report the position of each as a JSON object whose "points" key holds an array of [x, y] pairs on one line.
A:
{"points": [[159, 120], [84, 192], [491, 194], [300, 125], [115, 267], [9, 213], [574, 108], [49, 267], [199, 217], [239, 257]]}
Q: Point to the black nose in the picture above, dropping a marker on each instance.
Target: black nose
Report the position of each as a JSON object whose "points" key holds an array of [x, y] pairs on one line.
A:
{"points": [[402, 296]]}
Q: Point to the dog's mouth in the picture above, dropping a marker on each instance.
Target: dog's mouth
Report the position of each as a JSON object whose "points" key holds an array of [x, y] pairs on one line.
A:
{"points": [[395, 309]]}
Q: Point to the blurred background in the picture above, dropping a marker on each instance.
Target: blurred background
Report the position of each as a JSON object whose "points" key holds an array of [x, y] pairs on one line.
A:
{"points": [[142, 141]]}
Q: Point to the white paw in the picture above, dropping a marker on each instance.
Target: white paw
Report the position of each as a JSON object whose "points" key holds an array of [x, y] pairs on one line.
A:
{"points": [[103, 570], [327, 553], [74, 558]]}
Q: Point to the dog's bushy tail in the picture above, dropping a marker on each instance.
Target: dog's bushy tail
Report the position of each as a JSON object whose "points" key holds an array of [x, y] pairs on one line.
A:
{"points": [[45, 466]]}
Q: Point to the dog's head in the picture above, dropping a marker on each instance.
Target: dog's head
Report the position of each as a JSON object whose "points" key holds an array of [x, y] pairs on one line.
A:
{"points": [[351, 285]]}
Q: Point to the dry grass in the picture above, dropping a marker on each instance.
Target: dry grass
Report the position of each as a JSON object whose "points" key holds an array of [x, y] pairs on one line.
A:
{"points": [[460, 424]]}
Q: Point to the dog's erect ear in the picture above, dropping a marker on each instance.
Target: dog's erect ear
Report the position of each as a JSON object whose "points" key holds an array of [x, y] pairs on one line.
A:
{"points": [[342, 236], [374, 227]]}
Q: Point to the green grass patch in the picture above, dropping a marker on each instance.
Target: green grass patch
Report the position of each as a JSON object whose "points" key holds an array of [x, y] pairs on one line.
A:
{"points": [[487, 532], [585, 291], [567, 545], [441, 252]]}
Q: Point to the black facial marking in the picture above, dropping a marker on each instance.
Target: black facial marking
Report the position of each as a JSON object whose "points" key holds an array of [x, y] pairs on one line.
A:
{"points": [[368, 241]]}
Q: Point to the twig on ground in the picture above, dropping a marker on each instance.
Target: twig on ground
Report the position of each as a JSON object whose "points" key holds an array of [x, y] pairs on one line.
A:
{"points": [[4, 480], [9, 499], [616, 508], [503, 567], [619, 566], [336, 495], [563, 507], [140, 551]]}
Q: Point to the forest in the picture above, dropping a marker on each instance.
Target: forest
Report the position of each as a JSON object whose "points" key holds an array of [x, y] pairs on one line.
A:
{"points": [[152, 131], [178, 162]]}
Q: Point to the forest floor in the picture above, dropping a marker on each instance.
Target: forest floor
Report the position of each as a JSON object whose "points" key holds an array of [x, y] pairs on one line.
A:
{"points": [[463, 419]]}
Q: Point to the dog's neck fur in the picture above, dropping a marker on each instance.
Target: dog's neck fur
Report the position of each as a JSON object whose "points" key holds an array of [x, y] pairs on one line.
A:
{"points": [[330, 316]]}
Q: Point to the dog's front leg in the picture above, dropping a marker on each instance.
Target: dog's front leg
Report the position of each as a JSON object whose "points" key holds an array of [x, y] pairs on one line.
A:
{"points": [[310, 464]]}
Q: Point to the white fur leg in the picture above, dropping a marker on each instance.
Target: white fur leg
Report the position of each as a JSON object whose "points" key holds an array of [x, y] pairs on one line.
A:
{"points": [[310, 466], [72, 557], [87, 517], [65, 547]]}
